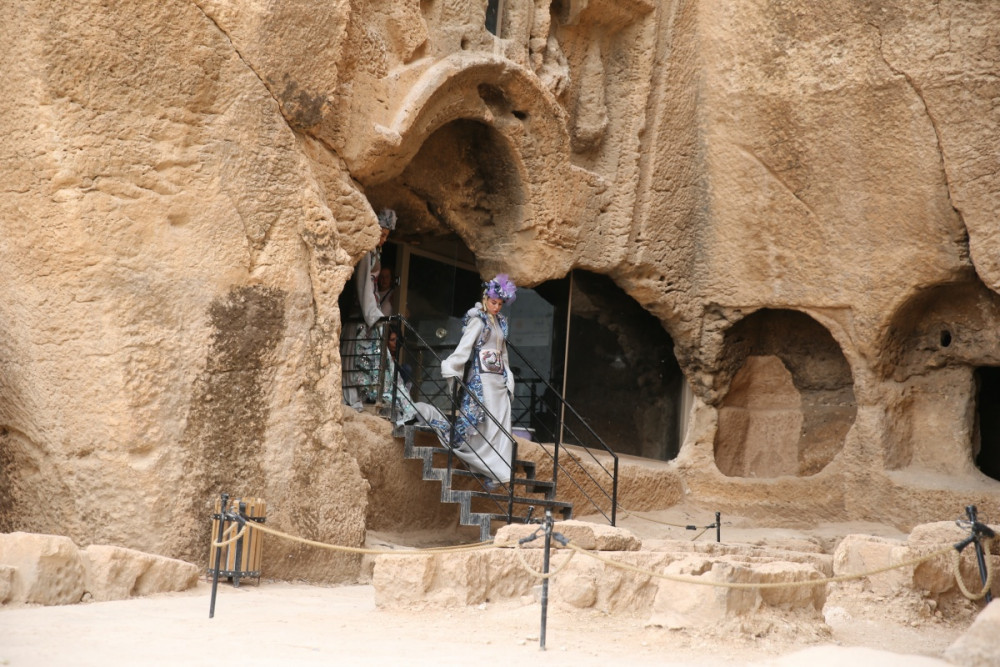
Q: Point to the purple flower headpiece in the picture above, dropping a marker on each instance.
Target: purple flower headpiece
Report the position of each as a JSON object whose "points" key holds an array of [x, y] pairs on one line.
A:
{"points": [[501, 287]]}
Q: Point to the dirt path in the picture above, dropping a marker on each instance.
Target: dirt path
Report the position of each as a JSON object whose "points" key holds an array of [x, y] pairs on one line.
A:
{"points": [[281, 623], [286, 623]]}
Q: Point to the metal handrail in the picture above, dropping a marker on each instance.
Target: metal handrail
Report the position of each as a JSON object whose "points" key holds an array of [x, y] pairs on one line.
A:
{"points": [[454, 408], [613, 474], [406, 333]]}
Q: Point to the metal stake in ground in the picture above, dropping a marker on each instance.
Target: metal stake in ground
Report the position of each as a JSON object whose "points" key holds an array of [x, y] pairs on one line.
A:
{"points": [[545, 570], [979, 530], [218, 554], [224, 517]]}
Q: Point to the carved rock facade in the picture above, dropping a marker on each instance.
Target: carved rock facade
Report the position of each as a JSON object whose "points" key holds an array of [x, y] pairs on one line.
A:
{"points": [[805, 197]]}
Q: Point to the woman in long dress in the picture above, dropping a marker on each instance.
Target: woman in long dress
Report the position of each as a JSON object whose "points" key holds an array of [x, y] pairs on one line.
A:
{"points": [[481, 441]]}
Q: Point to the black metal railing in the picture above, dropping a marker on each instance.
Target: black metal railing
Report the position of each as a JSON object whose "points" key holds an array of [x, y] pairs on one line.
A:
{"points": [[405, 389], [408, 380], [554, 420]]}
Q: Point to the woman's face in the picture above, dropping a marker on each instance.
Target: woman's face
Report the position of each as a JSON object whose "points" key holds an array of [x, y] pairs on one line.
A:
{"points": [[493, 305]]}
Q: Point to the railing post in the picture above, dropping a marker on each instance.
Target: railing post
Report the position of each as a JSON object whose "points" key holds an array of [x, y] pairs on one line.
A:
{"points": [[381, 335], [510, 482], [395, 368], [614, 495], [555, 465], [977, 529], [451, 431]]}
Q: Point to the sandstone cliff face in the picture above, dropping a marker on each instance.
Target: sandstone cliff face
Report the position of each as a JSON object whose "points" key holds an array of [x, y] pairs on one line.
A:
{"points": [[188, 184]]}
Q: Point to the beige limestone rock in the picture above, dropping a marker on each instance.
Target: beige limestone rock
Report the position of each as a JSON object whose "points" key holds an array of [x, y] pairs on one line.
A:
{"points": [[174, 317], [938, 576], [978, 647], [628, 584], [47, 569], [116, 573], [858, 554], [681, 604], [912, 593], [495, 574], [188, 185], [50, 569], [933, 578], [7, 573], [585, 535], [685, 605]]}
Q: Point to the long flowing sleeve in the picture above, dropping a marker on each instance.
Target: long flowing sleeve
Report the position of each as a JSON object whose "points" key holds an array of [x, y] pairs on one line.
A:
{"points": [[366, 293], [454, 365]]}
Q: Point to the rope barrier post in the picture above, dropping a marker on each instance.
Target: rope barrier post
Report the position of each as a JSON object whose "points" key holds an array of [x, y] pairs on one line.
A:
{"points": [[978, 531], [718, 526], [545, 581], [218, 554]]}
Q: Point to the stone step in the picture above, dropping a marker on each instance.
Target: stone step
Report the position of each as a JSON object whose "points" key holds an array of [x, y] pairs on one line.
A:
{"points": [[464, 497]]}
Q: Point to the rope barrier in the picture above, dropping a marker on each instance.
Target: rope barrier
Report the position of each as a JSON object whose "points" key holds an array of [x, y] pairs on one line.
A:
{"points": [[637, 570], [917, 560], [772, 584], [956, 566], [631, 513], [235, 538], [536, 573], [362, 550]]}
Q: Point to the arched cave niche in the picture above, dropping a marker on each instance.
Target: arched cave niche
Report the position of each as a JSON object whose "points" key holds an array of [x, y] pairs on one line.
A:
{"points": [[942, 350], [790, 401], [461, 193], [463, 180]]}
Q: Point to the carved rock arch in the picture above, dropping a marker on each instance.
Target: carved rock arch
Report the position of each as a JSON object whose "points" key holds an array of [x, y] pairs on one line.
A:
{"points": [[526, 127]]}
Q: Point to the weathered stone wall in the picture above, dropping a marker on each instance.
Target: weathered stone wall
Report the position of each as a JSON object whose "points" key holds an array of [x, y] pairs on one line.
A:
{"points": [[188, 183]]}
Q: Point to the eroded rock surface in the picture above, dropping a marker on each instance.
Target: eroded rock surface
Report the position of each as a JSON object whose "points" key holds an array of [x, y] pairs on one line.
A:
{"points": [[805, 197], [51, 570]]}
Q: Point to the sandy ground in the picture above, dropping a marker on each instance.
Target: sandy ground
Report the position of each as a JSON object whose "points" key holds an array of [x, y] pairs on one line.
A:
{"points": [[282, 623], [286, 623]]}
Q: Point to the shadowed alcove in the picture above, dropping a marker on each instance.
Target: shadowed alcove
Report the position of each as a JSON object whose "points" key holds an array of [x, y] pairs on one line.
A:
{"points": [[943, 351], [790, 401]]}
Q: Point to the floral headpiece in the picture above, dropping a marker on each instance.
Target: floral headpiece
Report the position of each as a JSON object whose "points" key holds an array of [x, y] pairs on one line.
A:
{"points": [[501, 287], [387, 219]]}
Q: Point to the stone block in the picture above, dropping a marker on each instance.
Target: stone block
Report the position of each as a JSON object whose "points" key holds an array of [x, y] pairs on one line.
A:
{"points": [[857, 554], [7, 573], [978, 647], [686, 605], [47, 569], [117, 573], [586, 535], [796, 595]]}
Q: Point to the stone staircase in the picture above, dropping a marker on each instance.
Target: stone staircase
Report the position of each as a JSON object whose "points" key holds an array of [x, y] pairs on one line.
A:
{"points": [[479, 507]]}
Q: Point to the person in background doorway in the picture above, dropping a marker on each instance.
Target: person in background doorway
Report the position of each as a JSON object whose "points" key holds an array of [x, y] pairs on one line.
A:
{"points": [[361, 350], [384, 287], [395, 354]]}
